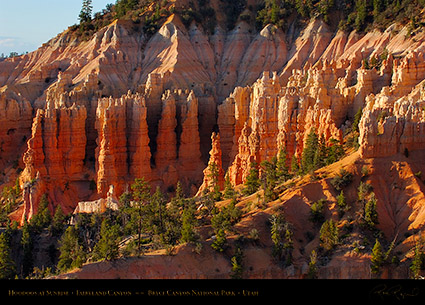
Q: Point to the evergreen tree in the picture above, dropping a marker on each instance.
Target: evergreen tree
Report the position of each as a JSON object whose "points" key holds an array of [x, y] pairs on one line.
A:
{"points": [[342, 204], [229, 191], [334, 152], [237, 264], [269, 178], [321, 155], [124, 212], [7, 265], [371, 215], [161, 221], [214, 186], [123, 6], [86, 11], [141, 195], [179, 199], [107, 247], [252, 182], [329, 235], [304, 7], [42, 219], [220, 241], [188, 233], [361, 9], [220, 221], [282, 170], [357, 118], [232, 212], [58, 222], [309, 159], [27, 245], [317, 212], [72, 254], [295, 167], [312, 266], [155, 213], [324, 8], [418, 260], [378, 6], [276, 231], [377, 258]]}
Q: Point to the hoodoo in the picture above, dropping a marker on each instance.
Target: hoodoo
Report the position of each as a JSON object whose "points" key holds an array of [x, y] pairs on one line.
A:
{"points": [[287, 134]]}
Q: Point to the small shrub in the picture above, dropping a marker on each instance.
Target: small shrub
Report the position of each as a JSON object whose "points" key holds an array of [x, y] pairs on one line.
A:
{"points": [[317, 211], [343, 179]]}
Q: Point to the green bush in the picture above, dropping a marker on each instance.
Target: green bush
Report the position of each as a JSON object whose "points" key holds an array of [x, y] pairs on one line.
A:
{"points": [[343, 179], [317, 211]]}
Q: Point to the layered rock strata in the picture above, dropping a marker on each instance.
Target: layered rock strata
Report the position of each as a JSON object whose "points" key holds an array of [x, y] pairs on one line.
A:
{"points": [[151, 103]]}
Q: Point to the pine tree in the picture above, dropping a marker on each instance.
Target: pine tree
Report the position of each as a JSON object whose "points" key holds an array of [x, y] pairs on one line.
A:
{"points": [[269, 178], [282, 170], [188, 233], [329, 235], [357, 118], [214, 186], [342, 204], [179, 198], [377, 258], [324, 7], [27, 245], [141, 195], [107, 246], [321, 155], [86, 11], [310, 150], [229, 191], [418, 259], [295, 167], [42, 219], [276, 231], [378, 6], [317, 212], [371, 215], [7, 265], [72, 254], [334, 152], [312, 266], [58, 222], [237, 264], [361, 16], [220, 241], [252, 182]]}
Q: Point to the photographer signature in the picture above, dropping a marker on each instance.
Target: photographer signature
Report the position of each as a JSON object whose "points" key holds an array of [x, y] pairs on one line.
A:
{"points": [[396, 291]]}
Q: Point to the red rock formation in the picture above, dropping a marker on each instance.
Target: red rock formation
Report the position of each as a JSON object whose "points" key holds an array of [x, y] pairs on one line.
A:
{"points": [[189, 153], [320, 82], [55, 157], [122, 138], [216, 159], [15, 128], [178, 155], [388, 128], [111, 154]]}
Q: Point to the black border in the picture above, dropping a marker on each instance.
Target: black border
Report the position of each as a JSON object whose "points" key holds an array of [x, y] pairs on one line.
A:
{"points": [[370, 291]]}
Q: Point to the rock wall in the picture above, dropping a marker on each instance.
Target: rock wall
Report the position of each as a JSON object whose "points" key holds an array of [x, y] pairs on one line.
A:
{"points": [[54, 160], [131, 105]]}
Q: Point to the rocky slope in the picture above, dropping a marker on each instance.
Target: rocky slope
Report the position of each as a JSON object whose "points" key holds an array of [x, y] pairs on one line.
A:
{"points": [[400, 215], [127, 104]]}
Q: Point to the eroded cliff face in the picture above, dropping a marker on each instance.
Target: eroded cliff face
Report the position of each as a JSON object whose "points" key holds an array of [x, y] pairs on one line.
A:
{"points": [[125, 105], [331, 79]]}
